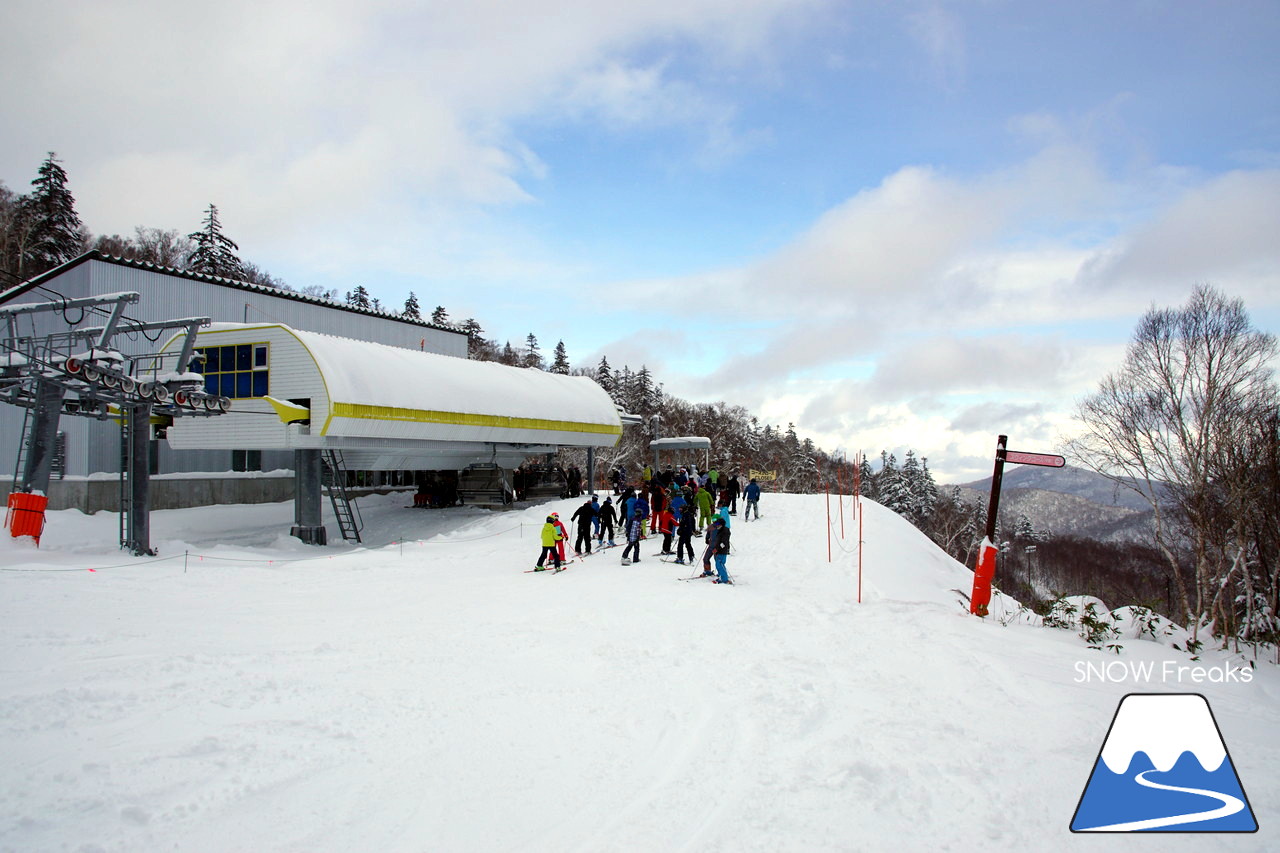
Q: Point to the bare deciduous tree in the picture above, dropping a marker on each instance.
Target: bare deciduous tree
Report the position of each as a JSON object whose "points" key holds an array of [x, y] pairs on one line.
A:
{"points": [[1192, 380]]}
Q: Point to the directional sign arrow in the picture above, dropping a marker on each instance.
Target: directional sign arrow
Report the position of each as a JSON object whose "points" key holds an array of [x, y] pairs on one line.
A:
{"points": [[1046, 460]]}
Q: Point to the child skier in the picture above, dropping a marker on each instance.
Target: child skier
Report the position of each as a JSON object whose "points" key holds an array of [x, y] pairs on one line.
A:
{"points": [[633, 542], [735, 489], [703, 500], [662, 524], [564, 534], [709, 551], [722, 508], [641, 511], [606, 519], [628, 504], [583, 515], [550, 539], [685, 534], [721, 550]]}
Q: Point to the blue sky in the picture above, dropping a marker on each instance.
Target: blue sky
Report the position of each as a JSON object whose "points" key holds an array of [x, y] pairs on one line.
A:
{"points": [[893, 224]]}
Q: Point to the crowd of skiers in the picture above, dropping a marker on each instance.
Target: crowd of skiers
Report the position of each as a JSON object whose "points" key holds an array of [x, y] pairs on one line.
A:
{"points": [[674, 504]]}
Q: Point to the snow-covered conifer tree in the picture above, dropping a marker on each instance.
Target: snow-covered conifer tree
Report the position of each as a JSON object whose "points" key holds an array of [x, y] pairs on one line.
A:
{"points": [[867, 480], [359, 298], [56, 234], [532, 355], [892, 486], [640, 394], [604, 375], [509, 355], [215, 252], [560, 362], [412, 310]]}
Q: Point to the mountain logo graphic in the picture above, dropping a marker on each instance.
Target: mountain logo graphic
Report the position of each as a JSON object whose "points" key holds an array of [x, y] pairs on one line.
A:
{"points": [[1163, 767]]}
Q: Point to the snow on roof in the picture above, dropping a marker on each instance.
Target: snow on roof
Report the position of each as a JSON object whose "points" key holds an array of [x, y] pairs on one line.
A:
{"points": [[363, 373], [684, 442], [297, 296]]}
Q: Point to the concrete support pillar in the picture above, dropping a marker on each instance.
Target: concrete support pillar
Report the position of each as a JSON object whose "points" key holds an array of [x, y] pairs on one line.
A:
{"points": [[307, 523], [591, 470]]}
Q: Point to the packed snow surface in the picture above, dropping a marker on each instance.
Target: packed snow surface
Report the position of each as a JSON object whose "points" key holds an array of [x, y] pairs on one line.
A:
{"points": [[245, 692]]}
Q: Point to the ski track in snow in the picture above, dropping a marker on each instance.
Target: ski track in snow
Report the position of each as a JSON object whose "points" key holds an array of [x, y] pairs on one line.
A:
{"points": [[423, 693]]}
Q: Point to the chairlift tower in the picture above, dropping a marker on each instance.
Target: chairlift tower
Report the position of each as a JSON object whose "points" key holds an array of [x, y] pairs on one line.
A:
{"points": [[81, 372]]}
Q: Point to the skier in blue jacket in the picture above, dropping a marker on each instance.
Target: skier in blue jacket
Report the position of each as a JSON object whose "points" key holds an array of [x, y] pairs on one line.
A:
{"points": [[719, 547], [752, 494]]}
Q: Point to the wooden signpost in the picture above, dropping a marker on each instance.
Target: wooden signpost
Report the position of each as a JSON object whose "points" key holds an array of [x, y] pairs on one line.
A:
{"points": [[985, 571]]}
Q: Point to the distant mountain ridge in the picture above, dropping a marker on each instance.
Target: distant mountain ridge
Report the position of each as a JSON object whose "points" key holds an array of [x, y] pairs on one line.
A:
{"points": [[1068, 502], [1080, 482]]}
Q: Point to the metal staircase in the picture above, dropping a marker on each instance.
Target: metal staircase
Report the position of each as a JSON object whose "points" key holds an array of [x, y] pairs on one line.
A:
{"points": [[334, 480]]}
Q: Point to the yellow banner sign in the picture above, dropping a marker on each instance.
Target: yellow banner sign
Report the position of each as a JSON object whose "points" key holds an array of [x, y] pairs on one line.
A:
{"points": [[764, 475]]}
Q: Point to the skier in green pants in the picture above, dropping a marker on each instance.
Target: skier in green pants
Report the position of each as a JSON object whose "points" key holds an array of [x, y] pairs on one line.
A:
{"points": [[703, 500]]}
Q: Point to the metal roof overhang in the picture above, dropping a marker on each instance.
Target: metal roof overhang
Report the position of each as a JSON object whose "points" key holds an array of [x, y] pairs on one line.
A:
{"points": [[687, 442]]}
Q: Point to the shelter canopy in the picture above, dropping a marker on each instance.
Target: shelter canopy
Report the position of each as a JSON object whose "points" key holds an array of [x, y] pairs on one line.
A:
{"points": [[686, 442]]}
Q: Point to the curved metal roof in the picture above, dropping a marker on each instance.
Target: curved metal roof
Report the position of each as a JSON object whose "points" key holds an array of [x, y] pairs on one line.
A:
{"points": [[387, 391]]}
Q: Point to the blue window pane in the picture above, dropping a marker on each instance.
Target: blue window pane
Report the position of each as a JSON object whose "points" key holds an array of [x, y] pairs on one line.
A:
{"points": [[260, 356], [244, 357], [227, 358], [260, 383], [210, 384], [227, 384], [210, 359], [244, 384]]}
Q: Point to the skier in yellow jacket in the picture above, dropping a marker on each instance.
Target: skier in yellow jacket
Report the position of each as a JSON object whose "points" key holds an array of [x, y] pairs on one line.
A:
{"points": [[551, 537]]}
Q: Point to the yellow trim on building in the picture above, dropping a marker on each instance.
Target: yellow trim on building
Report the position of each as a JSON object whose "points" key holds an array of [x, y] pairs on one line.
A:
{"points": [[391, 413]]}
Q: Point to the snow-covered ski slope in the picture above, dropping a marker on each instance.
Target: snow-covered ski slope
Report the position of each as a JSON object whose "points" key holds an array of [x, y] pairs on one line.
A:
{"points": [[423, 693]]}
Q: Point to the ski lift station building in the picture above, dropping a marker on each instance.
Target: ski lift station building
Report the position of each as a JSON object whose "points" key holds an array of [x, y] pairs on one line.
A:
{"points": [[384, 407], [390, 392]]}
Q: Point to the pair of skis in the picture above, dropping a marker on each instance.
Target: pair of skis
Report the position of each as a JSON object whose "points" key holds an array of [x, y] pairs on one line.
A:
{"points": [[700, 576], [713, 577], [564, 564]]}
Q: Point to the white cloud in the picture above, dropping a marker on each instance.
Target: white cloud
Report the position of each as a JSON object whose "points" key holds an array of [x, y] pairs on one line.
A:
{"points": [[293, 120], [950, 364], [1223, 233], [911, 277]]}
